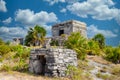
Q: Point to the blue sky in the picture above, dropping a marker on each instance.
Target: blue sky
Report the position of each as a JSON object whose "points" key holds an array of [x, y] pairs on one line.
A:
{"points": [[101, 16]]}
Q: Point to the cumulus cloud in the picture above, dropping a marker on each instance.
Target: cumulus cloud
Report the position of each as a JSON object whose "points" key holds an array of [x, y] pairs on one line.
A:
{"points": [[97, 9], [7, 21], [8, 33], [51, 2], [28, 17], [118, 17], [93, 30], [63, 10], [3, 6]]}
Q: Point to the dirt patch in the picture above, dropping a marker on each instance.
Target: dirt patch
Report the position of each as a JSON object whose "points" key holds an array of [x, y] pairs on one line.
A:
{"points": [[98, 59], [25, 76]]}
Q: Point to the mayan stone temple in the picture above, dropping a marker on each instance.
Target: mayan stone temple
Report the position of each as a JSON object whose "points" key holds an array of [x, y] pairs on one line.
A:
{"points": [[54, 61], [69, 26]]}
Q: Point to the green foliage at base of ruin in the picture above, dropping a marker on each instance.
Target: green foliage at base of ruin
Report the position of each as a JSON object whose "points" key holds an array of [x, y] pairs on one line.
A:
{"points": [[14, 57], [78, 43], [77, 73], [93, 48], [54, 43], [82, 46]]}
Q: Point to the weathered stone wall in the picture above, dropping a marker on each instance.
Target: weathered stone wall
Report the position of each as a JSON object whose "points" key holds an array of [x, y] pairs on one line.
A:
{"points": [[68, 27], [56, 62]]}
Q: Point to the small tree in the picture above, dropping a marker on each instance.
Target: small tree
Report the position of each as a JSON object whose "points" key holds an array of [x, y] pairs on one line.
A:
{"points": [[36, 36], [29, 40], [100, 39], [93, 48]]}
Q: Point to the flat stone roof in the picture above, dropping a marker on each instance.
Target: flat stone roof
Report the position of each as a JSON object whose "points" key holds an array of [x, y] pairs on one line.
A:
{"points": [[70, 21]]}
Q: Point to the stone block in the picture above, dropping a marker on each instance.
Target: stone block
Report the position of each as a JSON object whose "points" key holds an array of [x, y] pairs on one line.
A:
{"points": [[33, 57]]}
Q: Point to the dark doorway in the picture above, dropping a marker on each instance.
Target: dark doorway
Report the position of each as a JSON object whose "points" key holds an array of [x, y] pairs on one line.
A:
{"points": [[42, 64], [61, 32]]}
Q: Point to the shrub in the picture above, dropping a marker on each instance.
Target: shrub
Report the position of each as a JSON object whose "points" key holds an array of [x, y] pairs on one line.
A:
{"points": [[7, 43], [93, 48], [73, 73], [77, 73], [21, 66], [54, 43], [22, 53], [113, 54], [14, 48], [100, 39], [5, 67], [4, 49], [17, 59], [78, 43]]}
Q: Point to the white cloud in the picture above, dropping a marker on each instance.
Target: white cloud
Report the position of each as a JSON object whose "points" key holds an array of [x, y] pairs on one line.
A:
{"points": [[71, 1], [97, 9], [118, 17], [51, 2], [93, 30], [7, 21], [3, 6], [48, 29], [63, 10], [28, 17], [8, 33], [116, 30]]}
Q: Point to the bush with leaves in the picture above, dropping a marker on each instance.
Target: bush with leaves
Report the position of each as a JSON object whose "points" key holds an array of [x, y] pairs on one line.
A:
{"points": [[18, 57], [93, 48], [4, 49], [54, 43], [113, 54], [100, 39], [78, 43], [77, 73], [74, 73]]}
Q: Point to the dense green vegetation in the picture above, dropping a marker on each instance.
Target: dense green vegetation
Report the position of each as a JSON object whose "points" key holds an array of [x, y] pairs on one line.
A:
{"points": [[94, 46], [83, 46], [112, 54], [100, 39], [14, 57], [78, 43]]}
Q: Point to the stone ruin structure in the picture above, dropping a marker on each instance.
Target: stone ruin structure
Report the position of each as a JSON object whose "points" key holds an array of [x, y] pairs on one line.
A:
{"points": [[17, 41], [52, 61], [69, 26]]}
